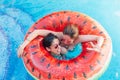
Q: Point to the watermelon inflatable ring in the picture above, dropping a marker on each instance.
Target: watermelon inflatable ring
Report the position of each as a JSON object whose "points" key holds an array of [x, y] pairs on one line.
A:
{"points": [[89, 65]]}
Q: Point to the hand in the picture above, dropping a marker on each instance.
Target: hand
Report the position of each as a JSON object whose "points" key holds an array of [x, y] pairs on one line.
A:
{"points": [[94, 47], [21, 48], [20, 51], [71, 47], [63, 50]]}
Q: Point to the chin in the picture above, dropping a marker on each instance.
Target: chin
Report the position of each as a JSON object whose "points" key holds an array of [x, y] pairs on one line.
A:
{"points": [[58, 53]]}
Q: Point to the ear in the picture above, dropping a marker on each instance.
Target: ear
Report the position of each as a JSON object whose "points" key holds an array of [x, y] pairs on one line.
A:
{"points": [[48, 49]]}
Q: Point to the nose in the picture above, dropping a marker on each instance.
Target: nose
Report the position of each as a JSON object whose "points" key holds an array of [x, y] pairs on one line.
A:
{"points": [[59, 47]]}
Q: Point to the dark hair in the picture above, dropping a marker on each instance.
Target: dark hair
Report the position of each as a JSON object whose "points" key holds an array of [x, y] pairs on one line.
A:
{"points": [[47, 41], [71, 30]]}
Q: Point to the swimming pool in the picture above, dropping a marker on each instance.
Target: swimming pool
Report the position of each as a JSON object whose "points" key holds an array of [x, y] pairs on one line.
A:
{"points": [[16, 17]]}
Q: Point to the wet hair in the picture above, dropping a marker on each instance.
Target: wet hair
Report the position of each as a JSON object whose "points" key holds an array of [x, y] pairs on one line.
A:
{"points": [[71, 30], [47, 41]]}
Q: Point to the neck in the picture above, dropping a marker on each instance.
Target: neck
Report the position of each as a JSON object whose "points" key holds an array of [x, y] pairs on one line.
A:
{"points": [[55, 54]]}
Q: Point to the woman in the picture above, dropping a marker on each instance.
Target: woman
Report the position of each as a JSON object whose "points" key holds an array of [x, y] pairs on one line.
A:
{"points": [[52, 44], [69, 37]]}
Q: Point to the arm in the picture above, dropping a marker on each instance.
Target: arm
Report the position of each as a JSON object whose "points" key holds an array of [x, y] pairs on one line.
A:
{"points": [[99, 39], [36, 33], [33, 35], [85, 38]]}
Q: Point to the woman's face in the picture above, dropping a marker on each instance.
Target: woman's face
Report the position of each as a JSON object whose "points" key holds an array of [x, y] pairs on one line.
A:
{"points": [[55, 47], [67, 40]]}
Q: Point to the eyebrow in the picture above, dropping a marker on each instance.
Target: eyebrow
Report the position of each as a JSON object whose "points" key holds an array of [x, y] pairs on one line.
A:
{"points": [[56, 43]]}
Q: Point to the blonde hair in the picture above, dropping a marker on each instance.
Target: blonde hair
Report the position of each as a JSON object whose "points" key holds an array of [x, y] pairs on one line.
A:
{"points": [[71, 30]]}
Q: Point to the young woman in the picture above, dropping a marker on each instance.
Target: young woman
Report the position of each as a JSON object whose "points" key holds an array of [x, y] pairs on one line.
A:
{"points": [[52, 44], [69, 37]]}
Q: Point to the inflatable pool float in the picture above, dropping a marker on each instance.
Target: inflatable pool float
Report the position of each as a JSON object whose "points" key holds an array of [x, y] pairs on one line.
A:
{"points": [[89, 65]]}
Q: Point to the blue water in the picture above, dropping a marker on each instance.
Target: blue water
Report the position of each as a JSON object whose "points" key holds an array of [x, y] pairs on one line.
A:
{"points": [[16, 17]]}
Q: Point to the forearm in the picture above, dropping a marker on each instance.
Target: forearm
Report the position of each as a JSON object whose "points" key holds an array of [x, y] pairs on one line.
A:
{"points": [[35, 33], [86, 38], [25, 43]]}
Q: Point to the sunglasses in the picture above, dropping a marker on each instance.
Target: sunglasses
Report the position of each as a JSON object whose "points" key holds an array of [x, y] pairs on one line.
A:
{"points": [[56, 46]]}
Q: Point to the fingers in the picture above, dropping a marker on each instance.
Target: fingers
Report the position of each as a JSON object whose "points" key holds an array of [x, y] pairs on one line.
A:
{"points": [[71, 49], [19, 56], [20, 52], [93, 49], [90, 49], [92, 44]]}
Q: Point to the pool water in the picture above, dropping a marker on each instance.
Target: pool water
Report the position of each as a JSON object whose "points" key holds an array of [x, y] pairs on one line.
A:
{"points": [[16, 17]]}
